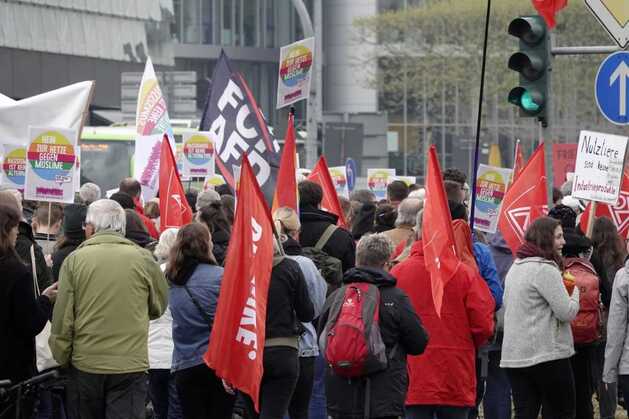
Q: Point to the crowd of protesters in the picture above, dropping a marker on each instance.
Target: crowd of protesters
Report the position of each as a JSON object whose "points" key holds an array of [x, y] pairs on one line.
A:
{"points": [[126, 310]]}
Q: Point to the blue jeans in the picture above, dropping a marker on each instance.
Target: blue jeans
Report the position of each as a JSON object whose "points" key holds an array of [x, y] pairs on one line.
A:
{"points": [[163, 394], [497, 401], [436, 412], [318, 408]]}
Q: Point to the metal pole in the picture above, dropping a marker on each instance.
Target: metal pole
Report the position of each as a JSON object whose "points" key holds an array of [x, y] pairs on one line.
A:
{"points": [[601, 49], [313, 109], [480, 114], [405, 116], [546, 129]]}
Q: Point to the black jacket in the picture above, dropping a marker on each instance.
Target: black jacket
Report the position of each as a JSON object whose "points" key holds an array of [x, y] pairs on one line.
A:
{"points": [[22, 317], [401, 329], [60, 255], [220, 241], [341, 245], [289, 302], [23, 245]]}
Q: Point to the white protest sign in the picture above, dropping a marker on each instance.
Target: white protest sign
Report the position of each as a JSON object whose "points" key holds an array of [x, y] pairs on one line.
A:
{"points": [[198, 154], [339, 179], [295, 74], [50, 165], [491, 186], [599, 167], [378, 180], [408, 180], [13, 159]]}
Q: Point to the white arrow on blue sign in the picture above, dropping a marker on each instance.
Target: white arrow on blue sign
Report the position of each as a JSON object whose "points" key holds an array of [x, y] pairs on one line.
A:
{"points": [[611, 88]]}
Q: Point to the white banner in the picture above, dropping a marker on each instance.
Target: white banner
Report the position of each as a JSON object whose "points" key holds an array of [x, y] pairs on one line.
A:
{"points": [[295, 73], [62, 108], [146, 162], [199, 155], [599, 167], [50, 165]]}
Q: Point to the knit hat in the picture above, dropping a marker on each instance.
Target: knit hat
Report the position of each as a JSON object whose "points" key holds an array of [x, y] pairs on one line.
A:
{"points": [[565, 215]]}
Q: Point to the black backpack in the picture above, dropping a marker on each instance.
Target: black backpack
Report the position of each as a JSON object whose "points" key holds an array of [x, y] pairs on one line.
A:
{"points": [[331, 268]]}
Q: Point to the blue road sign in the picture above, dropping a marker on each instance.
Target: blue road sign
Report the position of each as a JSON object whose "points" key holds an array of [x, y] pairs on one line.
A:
{"points": [[611, 88], [350, 172]]}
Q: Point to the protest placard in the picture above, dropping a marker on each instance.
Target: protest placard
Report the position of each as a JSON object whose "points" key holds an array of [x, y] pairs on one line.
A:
{"points": [[50, 165], [378, 180], [339, 179], [146, 161], [491, 186], [13, 166], [408, 180], [198, 154], [599, 167], [295, 74]]}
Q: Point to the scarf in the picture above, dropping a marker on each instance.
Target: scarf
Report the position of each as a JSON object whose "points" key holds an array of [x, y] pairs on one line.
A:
{"points": [[528, 250]]}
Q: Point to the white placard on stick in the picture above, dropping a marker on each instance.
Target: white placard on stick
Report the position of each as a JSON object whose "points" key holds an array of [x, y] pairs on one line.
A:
{"points": [[599, 167], [51, 157], [198, 154], [295, 74]]}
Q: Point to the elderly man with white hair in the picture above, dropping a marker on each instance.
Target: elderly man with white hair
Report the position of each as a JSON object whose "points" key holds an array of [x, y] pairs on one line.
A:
{"points": [[405, 221], [109, 289], [89, 192]]}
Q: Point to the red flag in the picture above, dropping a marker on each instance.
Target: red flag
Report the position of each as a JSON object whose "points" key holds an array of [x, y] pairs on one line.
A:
{"points": [[618, 213], [518, 164], [321, 175], [286, 186], [173, 206], [525, 201], [437, 234], [548, 8], [237, 342]]}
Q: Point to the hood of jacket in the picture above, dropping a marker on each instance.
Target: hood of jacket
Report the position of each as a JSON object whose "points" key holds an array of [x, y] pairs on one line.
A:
{"points": [[308, 213], [579, 263], [374, 276]]}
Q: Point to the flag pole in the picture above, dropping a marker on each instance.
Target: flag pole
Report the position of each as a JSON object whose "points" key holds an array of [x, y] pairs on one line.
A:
{"points": [[480, 114]]}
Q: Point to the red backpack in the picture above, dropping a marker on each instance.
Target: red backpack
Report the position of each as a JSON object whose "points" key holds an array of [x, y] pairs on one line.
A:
{"points": [[351, 341], [586, 327]]}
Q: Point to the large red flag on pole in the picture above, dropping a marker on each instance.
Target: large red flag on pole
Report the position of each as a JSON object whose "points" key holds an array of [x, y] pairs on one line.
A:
{"points": [[173, 206], [548, 8], [237, 340], [437, 234], [321, 175], [525, 201], [618, 213], [286, 186]]}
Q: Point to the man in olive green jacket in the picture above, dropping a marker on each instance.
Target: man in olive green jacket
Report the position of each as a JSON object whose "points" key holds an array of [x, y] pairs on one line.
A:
{"points": [[109, 289]]}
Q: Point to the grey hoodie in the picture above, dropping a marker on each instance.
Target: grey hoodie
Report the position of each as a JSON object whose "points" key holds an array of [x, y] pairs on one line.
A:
{"points": [[617, 348]]}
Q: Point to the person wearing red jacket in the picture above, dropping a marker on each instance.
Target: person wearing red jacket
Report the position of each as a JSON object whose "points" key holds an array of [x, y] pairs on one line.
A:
{"points": [[442, 381], [133, 188]]}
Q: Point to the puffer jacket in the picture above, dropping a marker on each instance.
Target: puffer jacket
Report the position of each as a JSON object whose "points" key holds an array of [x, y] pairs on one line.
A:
{"points": [[445, 373], [401, 329], [617, 348], [586, 328]]}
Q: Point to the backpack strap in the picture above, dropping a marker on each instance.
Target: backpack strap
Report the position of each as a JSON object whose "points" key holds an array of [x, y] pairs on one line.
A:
{"points": [[325, 237]]}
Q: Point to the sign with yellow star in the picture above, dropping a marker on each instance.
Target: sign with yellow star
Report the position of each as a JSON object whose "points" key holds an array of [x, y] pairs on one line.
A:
{"points": [[614, 16]]}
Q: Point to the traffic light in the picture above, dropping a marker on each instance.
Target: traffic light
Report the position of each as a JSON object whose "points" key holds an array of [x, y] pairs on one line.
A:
{"points": [[533, 63]]}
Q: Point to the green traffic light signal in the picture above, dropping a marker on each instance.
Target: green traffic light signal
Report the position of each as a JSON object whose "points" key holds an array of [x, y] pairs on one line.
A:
{"points": [[532, 62]]}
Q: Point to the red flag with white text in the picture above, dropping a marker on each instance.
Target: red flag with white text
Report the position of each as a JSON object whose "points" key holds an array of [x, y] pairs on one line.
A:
{"points": [[237, 342], [321, 175], [286, 186], [173, 206], [618, 213], [525, 201], [437, 233]]}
